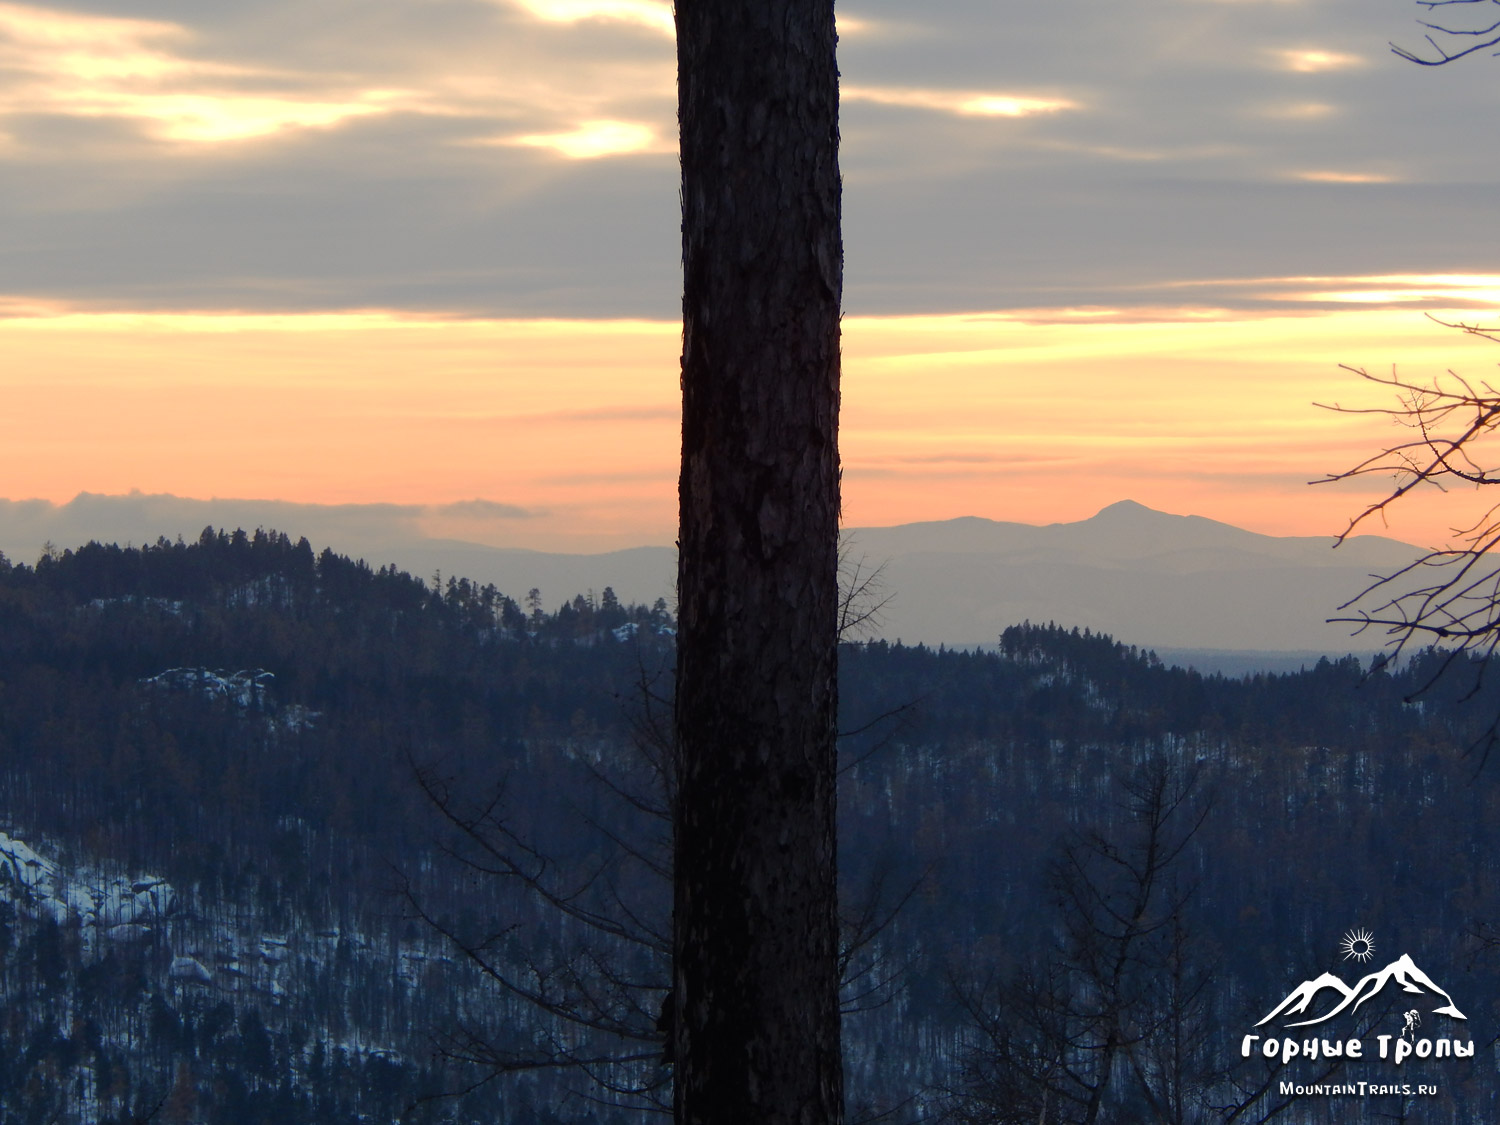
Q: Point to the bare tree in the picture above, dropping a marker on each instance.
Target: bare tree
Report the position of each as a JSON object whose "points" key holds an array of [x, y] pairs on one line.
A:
{"points": [[862, 594], [754, 1010], [1112, 1020], [1450, 41], [583, 939], [1449, 596]]}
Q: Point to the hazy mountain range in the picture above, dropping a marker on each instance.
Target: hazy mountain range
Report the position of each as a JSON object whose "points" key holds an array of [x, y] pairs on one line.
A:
{"points": [[1187, 586]]}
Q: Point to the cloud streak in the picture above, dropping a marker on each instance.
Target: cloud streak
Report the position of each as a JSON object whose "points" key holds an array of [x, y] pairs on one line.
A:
{"points": [[1330, 177], [960, 103], [78, 65], [1303, 60], [512, 157], [654, 15], [592, 140]]}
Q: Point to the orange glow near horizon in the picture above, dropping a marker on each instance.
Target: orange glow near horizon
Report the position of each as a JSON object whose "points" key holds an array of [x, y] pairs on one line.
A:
{"points": [[1049, 421], [1041, 418], [574, 419]]}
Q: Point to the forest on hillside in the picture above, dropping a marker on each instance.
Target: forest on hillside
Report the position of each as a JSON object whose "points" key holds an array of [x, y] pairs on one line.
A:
{"points": [[317, 757]]}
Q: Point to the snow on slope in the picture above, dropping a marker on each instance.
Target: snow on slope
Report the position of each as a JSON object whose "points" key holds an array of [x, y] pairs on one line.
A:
{"points": [[112, 905]]}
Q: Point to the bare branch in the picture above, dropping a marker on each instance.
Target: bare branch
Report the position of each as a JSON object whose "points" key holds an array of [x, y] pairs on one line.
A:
{"points": [[862, 596], [1449, 596], [1121, 1000], [598, 997], [1487, 36]]}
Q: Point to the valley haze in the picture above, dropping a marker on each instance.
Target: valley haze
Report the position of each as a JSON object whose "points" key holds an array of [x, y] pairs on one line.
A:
{"points": [[1196, 590]]}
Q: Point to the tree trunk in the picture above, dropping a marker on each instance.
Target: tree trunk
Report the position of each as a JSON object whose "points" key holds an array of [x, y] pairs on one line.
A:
{"points": [[755, 1014]]}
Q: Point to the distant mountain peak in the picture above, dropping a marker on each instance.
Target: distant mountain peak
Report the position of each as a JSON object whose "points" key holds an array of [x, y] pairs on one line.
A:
{"points": [[1127, 507], [1133, 511]]}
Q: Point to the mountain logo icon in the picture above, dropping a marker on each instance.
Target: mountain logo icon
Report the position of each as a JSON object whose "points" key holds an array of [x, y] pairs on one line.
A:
{"points": [[1309, 995]]}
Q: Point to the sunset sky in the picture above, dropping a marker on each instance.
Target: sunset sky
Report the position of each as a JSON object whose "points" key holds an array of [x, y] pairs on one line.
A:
{"points": [[426, 252]]}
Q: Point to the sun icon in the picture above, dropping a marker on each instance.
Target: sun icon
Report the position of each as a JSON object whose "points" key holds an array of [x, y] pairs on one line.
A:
{"points": [[1358, 945]]}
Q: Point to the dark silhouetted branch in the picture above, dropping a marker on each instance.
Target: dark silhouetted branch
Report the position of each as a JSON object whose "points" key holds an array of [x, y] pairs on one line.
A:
{"points": [[1477, 36]]}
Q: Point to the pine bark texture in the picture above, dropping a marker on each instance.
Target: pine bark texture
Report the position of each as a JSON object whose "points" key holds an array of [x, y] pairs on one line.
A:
{"points": [[755, 1013]]}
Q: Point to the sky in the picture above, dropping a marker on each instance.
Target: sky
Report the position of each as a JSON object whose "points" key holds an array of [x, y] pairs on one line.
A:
{"points": [[425, 252]]}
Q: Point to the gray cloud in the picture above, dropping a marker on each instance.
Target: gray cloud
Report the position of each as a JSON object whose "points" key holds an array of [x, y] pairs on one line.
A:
{"points": [[483, 509], [357, 529], [1190, 139]]}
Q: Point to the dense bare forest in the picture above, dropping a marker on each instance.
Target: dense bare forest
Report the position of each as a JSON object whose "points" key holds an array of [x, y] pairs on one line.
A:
{"points": [[291, 839]]}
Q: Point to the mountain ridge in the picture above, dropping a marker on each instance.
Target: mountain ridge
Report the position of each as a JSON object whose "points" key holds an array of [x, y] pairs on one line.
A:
{"points": [[1151, 578]]}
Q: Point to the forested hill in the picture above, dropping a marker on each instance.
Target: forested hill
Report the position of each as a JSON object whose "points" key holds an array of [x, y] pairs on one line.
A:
{"points": [[367, 668], [244, 719], [386, 667]]}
